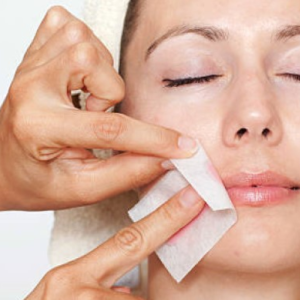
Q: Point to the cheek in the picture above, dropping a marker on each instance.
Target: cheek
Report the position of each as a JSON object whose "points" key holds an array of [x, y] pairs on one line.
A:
{"points": [[189, 117], [174, 118]]}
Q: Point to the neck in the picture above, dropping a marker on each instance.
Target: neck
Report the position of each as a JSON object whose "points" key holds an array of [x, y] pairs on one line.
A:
{"points": [[208, 284]]}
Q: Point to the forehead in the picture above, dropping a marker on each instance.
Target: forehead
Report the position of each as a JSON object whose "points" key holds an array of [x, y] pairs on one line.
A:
{"points": [[239, 16]]}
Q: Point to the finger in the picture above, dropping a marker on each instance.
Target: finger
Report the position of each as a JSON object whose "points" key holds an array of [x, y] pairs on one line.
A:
{"points": [[97, 105], [65, 128], [133, 244], [90, 181], [111, 294], [92, 130], [102, 294], [54, 20], [71, 33], [122, 289], [84, 68]]}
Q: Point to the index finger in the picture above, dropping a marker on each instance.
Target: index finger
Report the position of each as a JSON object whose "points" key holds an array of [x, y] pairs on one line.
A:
{"points": [[133, 244], [119, 132]]}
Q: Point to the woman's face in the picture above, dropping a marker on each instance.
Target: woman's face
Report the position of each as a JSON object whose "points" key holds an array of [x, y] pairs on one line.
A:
{"points": [[228, 74]]}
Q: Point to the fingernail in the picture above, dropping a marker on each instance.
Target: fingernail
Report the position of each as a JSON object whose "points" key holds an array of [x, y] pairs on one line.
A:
{"points": [[190, 198], [187, 144], [122, 289], [168, 165]]}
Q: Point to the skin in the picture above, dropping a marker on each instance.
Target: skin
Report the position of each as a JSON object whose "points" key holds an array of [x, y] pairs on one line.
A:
{"points": [[259, 257], [43, 137]]}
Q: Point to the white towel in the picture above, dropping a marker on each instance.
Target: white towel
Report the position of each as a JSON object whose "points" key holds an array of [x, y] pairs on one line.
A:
{"points": [[78, 231], [106, 18]]}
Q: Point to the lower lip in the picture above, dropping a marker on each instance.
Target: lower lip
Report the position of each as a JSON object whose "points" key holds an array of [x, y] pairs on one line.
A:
{"points": [[260, 196]]}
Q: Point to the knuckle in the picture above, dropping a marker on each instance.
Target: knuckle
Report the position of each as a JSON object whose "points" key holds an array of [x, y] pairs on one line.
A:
{"points": [[57, 276], [130, 241], [139, 178], [16, 90], [87, 294], [26, 130], [119, 91], [169, 212], [54, 16], [114, 96], [24, 85], [161, 139], [76, 31], [114, 89], [59, 281], [108, 56], [84, 55], [110, 128], [20, 123]]}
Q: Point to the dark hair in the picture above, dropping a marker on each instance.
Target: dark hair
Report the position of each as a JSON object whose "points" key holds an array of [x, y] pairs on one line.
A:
{"points": [[130, 25]]}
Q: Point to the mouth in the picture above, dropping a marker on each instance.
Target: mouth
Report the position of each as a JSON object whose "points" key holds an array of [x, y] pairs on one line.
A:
{"points": [[260, 189], [293, 188]]}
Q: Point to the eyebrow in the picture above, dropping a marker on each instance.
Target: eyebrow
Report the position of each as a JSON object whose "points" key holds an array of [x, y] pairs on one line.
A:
{"points": [[210, 33], [215, 34], [288, 32]]}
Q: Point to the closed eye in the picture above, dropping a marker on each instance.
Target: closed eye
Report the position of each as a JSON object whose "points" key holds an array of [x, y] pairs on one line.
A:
{"points": [[294, 77], [189, 80]]}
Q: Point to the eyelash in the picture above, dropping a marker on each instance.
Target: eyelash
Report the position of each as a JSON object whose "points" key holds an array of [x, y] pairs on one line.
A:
{"points": [[294, 77], [170, 83]]}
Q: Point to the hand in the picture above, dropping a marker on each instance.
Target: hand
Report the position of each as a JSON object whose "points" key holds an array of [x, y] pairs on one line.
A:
{"points": [[94, 275], [44, 139]]}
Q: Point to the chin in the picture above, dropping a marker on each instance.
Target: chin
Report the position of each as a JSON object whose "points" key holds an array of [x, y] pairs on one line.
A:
{"points": [[264, 240]]}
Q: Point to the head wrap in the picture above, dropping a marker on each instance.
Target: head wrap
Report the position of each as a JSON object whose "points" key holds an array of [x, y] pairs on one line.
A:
{"points": [[106, 19]]}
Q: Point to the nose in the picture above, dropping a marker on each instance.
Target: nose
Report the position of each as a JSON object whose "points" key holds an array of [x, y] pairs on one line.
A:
{"points": [[252, 114]]}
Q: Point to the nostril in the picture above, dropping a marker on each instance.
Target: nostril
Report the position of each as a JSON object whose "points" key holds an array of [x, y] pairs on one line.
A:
{"points": [[266, 132], [241, 132]]}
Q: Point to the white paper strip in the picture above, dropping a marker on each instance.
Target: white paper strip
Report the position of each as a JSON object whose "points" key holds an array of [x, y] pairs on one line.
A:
{"points": [[181, 253]]}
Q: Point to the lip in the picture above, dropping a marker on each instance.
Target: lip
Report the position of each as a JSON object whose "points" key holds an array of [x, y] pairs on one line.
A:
{"points": [[260, 189]]}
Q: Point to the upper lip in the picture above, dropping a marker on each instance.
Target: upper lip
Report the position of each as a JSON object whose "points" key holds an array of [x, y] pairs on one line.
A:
{"points": [[266, 179]]}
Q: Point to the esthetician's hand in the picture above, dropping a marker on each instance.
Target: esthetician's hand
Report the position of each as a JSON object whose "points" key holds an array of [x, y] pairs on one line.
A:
{"points": [[94, 275], [44, 163]]}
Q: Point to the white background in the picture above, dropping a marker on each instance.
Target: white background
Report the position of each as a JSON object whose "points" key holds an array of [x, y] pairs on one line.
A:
{"points": [[24, 237]]}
